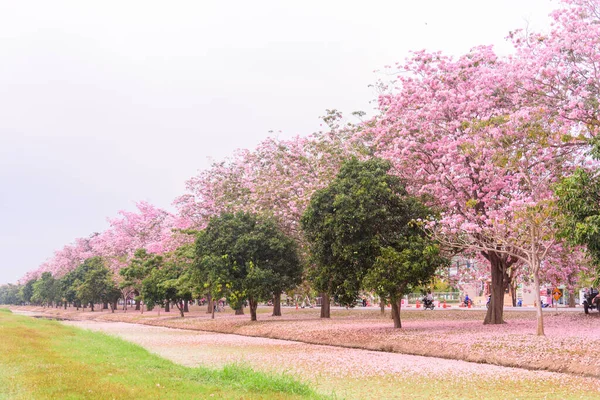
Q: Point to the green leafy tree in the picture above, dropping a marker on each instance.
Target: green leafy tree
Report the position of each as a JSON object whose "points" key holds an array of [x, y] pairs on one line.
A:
{"points": [[168, 281], [27, 291], [247, 257], [96, 283], [45, 290], [138, 269], [10, 294], [579, 199], [362, 234]]}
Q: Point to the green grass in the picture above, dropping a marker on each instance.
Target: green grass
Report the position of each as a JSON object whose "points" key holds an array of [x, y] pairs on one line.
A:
{"points": [[41, 359]]}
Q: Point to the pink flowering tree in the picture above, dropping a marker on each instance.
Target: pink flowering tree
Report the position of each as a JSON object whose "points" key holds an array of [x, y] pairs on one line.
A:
{"points": [[465, 133], [275, 180]]}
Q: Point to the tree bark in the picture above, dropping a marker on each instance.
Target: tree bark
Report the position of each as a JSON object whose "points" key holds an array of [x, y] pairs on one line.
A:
{"points": [[253, 306], [105, 305], [277, 305], [396, 305], [240, 310], [500, 281], [186, 307], [92, 305], [65, 305], [513, 293], [137, 304], [180, 307], [210, 309], [168, 306], [572, 298], [382, 306], [538, 303], [325, 306]]}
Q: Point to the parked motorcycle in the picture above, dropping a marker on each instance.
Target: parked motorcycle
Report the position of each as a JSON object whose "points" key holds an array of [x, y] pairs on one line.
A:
{"points": [[588, 304]]}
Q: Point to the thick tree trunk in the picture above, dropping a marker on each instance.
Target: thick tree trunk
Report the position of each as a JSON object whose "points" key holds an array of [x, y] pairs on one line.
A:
{"points": [[210, 309], [277, 305], [382, 306], [500, 282], [65, 305], [538, 303], [253, 306], [396, 305], [92, 305], [168, 306], [137, 304], [325, 306], [240, 310], [105, 305], [115, 305], [572, 298], [186, 307]]}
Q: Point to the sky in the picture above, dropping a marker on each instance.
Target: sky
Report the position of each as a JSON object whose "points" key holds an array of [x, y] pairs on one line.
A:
{"points": [[106, 103]]}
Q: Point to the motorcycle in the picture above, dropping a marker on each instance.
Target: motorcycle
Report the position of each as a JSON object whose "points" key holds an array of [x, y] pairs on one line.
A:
{"points": [[428, 304], [588, 304]]}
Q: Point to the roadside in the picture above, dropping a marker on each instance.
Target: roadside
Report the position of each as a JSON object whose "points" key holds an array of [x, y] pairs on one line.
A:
{"points": [[570, 344], [350, 373]]}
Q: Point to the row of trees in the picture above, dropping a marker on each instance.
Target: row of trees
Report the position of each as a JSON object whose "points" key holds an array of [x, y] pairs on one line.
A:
{"points": [[89, 284], [500, 150], [364, 233]]}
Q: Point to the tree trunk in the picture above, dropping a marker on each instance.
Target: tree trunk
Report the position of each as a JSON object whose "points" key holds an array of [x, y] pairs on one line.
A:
{"points": [[382, 306], [210, 309], [186, 307], [115, 305], [572, 298], [92, 305], [168, 306], [277, 305], [105, 305], [499, 266], [396, 305], [180, 307], [65, 305], [137, 304], [538, 303], [240, 309], [325, 306], [253, 306], [513, 293]]}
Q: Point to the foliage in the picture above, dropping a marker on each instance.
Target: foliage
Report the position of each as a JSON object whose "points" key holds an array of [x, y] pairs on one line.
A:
{"points": [[579, 199], [95, 283], [246, 257], [11, 294], [45, 290], [363, 233]]}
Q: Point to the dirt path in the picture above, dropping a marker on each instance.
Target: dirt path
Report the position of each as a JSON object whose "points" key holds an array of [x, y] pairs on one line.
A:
{"points": [[349, 373]]}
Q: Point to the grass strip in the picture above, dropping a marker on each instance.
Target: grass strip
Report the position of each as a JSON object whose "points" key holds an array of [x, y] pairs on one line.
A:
{"points": [[43, 359]]}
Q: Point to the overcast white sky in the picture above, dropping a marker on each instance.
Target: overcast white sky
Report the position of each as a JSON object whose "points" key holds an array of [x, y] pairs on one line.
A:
{"points": [[109, 102]]}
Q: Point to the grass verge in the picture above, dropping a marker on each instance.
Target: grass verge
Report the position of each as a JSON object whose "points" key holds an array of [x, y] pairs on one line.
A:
{"points": [[43, 359]]}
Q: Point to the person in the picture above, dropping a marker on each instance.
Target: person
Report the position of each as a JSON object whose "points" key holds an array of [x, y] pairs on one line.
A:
{"points": [[428, 299], [364, 302], [467, 300], [594, 296]]}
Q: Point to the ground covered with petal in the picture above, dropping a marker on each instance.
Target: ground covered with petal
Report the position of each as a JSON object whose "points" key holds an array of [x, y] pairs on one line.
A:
{"points": [[570, 344]]}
